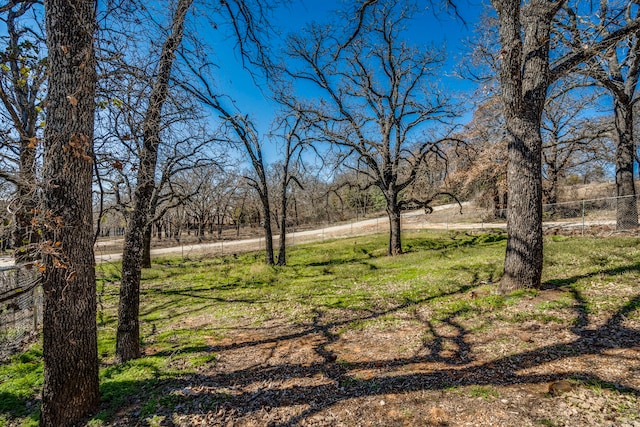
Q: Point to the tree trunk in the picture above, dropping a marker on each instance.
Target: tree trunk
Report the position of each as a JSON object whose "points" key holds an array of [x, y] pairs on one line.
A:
{"points": [[627, 209], [282, 251], [24, 236], [128, 332], [524, 81], [268, 234], [497, 206], [145, 262], [395, 242], [523, 260], [70, 392]]}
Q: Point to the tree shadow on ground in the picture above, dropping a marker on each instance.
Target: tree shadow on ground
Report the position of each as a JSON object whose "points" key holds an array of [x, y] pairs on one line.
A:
{"points": [[248, 390], [236, 391]]}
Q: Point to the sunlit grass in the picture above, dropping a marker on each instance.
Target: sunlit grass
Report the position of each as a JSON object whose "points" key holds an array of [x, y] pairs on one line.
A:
{"points": [[188, 305]]}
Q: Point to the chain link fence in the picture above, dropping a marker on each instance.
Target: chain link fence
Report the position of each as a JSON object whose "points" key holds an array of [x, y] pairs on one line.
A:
{"points": [[20, 308]]}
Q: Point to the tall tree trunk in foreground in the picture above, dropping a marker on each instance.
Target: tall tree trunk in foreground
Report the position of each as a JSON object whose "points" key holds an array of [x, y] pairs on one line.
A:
{"points": [[524, 80], [525, 76], [128, 333], [70, 391]]}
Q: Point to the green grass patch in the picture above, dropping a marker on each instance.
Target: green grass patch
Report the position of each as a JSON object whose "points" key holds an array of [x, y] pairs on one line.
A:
{"points": [[444, 280], [484, 392]]}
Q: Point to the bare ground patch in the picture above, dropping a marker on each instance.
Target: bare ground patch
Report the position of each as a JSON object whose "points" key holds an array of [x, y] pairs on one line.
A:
{"points": [[344, 368]]}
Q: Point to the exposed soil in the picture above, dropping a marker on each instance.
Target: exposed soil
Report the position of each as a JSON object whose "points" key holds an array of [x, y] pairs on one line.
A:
{"points": [[464, 371]]}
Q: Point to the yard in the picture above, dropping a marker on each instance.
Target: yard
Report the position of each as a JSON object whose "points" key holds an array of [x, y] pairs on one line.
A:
{"points": [[344, 335]]}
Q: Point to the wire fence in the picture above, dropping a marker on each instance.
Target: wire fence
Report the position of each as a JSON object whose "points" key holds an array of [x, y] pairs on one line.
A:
{"points": [[21, 293], [20, 308], [588, 217]]}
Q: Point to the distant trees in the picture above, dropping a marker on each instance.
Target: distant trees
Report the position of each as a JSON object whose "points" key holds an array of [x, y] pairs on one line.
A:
{"points": [[616, 68], [376, 95], [480, 166], [572, 137], [70, 391]]}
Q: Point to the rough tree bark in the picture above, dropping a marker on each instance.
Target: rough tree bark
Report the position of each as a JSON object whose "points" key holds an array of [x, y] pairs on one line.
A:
{"points": [[145, 260], [524, 79], [70, 389], [128, 333], [627, 207], [525, 76]]}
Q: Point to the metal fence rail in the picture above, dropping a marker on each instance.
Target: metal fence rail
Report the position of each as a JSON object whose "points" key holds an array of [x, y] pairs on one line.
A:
{"points": [[20, 308]]}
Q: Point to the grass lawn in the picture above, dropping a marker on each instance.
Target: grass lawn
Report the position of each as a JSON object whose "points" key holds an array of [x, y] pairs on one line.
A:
{"points": [[344, 331]]}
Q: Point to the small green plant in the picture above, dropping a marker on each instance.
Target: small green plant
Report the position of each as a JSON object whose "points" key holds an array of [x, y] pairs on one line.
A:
{"points": [[483, 392]]}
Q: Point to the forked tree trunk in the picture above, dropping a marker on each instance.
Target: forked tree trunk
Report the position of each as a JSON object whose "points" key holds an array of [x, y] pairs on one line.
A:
{"points": [[627, 208], [70, 392]]}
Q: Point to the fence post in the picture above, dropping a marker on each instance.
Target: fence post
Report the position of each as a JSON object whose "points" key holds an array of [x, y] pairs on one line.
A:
{"points": [[35, 308], [582, 217]]}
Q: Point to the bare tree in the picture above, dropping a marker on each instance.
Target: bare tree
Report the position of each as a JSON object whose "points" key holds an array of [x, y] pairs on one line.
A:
{"points": [[128, 333], [375, 98], [571, 136], [22, 89], [617, 69], [70, 390], [294, 143]]}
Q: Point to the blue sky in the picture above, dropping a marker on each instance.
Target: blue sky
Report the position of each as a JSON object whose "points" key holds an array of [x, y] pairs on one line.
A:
{"points": [[431, 27]]}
